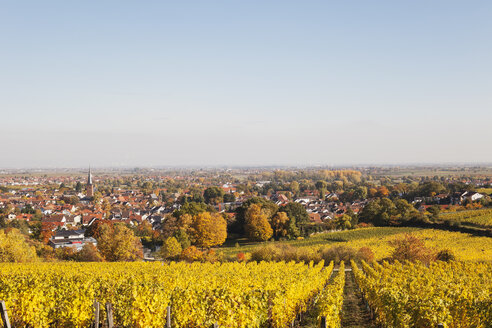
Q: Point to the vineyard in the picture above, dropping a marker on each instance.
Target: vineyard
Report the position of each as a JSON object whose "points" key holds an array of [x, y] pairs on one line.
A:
{"points": [[465, 246], [266, 294], [480, 218], [457, 295], [200, 295]]}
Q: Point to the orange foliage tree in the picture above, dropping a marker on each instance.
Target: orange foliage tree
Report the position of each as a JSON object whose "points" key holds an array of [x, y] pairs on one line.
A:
{"points": [[411, 248], [257, 226], [118, 243], [208, 229]]}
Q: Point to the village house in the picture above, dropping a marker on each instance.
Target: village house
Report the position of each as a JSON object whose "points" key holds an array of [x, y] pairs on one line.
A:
{"points": [[70, 238], [471, 196]]}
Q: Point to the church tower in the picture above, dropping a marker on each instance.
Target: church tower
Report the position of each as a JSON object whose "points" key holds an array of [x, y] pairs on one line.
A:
{"points": [[90, 186]]}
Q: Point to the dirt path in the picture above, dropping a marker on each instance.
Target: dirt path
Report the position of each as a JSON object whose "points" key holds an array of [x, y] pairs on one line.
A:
{"points": [[354, 313]]}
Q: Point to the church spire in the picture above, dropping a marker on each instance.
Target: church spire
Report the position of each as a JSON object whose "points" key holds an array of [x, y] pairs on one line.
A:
{"points": [[89, 178], [90, 186]]}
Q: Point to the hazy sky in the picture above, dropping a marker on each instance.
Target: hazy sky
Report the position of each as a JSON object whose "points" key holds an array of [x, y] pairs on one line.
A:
{"points": [[113, 83]]}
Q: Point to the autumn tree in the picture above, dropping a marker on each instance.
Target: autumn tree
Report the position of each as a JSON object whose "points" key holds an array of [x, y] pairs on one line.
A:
{"points": [[382, 192], [97, 197], [14, 247], [257, 226], [95, 229], [65, 253], [191, 254], [283, 226], [268, 207], [208, 229], [372, 192], [46, 232], [147, 234], [89, 253], [170, 249], [280, 223], [411, 248], [118, 243]]}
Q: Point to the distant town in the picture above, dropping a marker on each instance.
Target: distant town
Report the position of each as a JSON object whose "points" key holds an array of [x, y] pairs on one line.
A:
{"points": [[67, 210]]}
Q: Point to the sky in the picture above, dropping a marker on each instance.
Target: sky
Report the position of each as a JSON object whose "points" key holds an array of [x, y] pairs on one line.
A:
{"points": [[227, 83]]}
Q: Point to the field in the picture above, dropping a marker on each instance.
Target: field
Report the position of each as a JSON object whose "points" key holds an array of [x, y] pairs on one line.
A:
{"points": [[465, 246], [457, 295], [475, 218], [199, 294], [431, 171]]}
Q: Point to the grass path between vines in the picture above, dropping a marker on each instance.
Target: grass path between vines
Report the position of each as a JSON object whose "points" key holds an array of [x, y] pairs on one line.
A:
{"points": [[354, 313]]}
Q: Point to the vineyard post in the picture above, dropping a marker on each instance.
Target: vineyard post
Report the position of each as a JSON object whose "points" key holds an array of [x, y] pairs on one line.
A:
{"points": [[96, 314], [215, 325], [168, 317], [440, 325], [323, 322], [109, 315], [5, 316]]}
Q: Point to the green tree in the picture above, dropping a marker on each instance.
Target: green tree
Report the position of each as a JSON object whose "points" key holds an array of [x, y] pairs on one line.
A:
{"points": [[294, 187], [404, 210], [213, 195], [229, 198], [343, 222], [360, 192], [297, 213], [430, 188], [321, 187], [191, 208], [182, 237], [434, 210], [374, 213]]}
